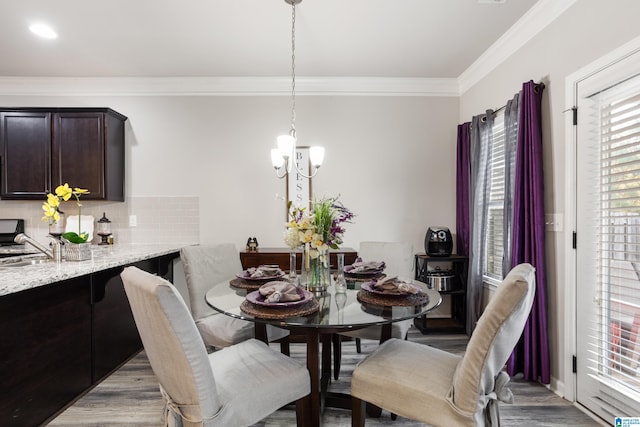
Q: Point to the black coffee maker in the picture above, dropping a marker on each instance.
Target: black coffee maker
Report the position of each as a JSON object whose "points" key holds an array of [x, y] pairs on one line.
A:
{"points": [[438, 242]]}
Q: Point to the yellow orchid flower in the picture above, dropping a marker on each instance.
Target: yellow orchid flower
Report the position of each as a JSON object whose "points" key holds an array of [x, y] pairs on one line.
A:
{"points": [[77, 192], [52, 200], [318, 243], [305, 223], [50, 212], [64, 191], [50, 207], [306, 236]]}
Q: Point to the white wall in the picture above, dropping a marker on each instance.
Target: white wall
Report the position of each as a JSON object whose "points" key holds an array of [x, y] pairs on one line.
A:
{"points": [[392, 159], [585, 32]]}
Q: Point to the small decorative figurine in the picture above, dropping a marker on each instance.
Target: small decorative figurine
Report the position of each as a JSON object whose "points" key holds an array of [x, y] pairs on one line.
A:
{"points": [[252, 244]]}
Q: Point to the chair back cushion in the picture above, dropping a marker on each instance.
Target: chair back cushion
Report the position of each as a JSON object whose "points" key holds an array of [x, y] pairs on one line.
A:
{"points": [[172, 343], [494, 338], [398, 257], [204, 267]]}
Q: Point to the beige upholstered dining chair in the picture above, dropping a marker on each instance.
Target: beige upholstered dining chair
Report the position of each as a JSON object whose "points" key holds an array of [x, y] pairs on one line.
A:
{"points": [[438, 388], [399, 261], [206, 266], [236, 386]]}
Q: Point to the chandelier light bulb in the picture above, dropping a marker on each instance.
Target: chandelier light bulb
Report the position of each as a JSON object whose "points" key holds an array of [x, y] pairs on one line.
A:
{"points": [[286, 145], [316, 156], [276, 158]]}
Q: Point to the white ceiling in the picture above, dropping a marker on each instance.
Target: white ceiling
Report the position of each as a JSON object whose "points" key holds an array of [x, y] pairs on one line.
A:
{"points": [[251, 38]]}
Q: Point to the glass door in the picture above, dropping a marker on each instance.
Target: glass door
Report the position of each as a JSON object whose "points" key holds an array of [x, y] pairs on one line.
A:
{"points": [[608, 240]]}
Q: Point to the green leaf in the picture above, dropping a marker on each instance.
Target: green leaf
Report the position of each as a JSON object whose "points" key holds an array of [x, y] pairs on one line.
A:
{"points": [[74, 237]]}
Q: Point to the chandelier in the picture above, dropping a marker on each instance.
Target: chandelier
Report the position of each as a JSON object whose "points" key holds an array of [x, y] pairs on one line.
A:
{"points": [[283, 158]]}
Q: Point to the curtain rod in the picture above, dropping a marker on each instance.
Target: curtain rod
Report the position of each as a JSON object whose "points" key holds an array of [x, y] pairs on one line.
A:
{"points": [[536, 89], [496, 111], [500, 109]]}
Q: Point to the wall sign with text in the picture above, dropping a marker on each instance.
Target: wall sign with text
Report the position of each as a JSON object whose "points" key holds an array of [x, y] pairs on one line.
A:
{"points": [[299, 187]]}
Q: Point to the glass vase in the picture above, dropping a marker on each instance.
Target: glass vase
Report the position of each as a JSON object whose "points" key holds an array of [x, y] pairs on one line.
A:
{"points": [[315, 269], [341, 283], [57, 228], [293, 277]]}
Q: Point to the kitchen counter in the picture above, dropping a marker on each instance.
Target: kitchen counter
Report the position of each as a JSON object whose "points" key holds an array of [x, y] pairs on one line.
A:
{"points": [[19, 278], [77, 314]]}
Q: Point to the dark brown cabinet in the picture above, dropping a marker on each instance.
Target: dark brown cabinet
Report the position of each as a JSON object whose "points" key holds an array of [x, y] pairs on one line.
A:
{"points": [[115, 335], [25, 141], [42, 148], [59, 340], [280, 257], [44, 357]]}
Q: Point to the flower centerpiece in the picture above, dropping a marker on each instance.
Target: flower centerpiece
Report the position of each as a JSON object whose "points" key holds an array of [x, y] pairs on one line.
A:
{"points": [[76, 246], [316, 231]]}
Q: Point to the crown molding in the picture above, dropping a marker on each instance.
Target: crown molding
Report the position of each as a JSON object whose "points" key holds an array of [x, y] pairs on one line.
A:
{"points": [[225, 86], [531, 23], [377, 86]]}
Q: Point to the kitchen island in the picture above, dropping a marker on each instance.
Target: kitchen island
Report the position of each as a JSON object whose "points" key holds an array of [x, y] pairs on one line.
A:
{"points": [[66, 326], [20, 278]]}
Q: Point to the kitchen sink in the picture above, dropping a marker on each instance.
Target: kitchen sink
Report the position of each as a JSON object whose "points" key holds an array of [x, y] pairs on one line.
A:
{"points": [[24, 263]]}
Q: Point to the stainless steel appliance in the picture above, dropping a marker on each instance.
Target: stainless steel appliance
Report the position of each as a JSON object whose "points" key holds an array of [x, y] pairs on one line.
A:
{"points": [[9, 229], [440, 280]]}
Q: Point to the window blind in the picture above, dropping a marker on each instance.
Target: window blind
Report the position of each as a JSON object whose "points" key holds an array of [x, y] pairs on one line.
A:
{"points": [[495, 219], [615, 338]]}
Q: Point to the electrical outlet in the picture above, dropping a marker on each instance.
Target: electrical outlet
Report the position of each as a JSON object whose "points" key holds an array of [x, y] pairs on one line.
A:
{"points": [[133, 220]]}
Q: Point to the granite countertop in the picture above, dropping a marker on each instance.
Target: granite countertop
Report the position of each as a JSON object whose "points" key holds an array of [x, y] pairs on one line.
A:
{"points": [[20, 278], [14, 250]]}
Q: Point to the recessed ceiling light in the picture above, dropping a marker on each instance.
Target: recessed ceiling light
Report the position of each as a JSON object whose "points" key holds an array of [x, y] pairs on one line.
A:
{"points": [[43, 30]]}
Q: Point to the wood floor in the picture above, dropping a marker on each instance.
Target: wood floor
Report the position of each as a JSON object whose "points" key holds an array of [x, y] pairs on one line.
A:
{"points": [[130, 396]]}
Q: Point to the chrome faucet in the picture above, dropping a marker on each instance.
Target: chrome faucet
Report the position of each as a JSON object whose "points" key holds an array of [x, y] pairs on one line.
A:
{"points": [[22, 238]]}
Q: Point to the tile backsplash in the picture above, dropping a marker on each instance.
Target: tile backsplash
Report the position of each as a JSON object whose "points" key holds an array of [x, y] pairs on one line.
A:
{"points": [[158, 219]]}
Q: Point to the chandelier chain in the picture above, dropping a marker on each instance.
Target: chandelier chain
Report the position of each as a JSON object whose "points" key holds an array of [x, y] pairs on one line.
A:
{"points": [[293, 68], [285, 157]]}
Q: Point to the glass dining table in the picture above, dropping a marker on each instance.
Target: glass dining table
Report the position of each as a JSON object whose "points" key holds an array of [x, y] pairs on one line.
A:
{"points": [[319, 318]]}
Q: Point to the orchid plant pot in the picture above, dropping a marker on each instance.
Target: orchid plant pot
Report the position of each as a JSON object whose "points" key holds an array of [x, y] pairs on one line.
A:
{"points": [[77, 251]]}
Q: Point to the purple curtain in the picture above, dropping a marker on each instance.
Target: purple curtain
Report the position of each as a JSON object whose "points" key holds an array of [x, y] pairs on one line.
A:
{"points": [[462, 190], [531, 355]]}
